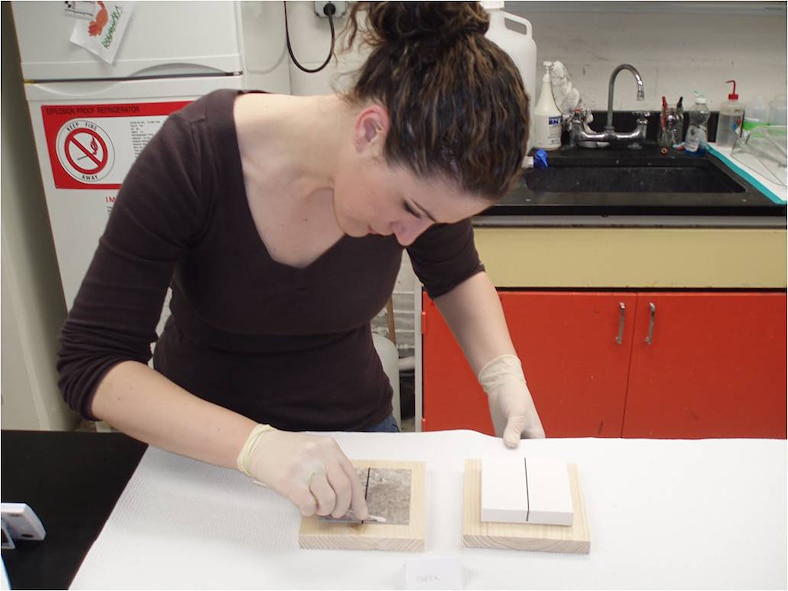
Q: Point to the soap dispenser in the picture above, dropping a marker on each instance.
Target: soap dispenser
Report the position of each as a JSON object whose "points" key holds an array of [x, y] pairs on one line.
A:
{"points": [[548, 121]]}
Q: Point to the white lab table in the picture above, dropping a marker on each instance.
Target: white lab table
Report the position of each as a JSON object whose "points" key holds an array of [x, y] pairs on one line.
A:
{"points": [[663, 514]]}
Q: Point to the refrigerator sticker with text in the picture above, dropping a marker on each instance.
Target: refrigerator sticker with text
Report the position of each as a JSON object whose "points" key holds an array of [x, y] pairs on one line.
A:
{"points": [[103, 33], [94, 145]]}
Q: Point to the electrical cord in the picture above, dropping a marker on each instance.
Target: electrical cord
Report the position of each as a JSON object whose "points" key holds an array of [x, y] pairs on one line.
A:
{"points": [[329, 12]]}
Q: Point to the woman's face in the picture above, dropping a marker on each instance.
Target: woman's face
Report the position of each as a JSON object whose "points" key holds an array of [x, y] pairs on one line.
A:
{"points": [[385, 200], [374, 197]]}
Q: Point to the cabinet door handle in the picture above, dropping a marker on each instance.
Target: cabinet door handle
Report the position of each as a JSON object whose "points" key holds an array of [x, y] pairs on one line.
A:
{"points": [[621, 319], [652, 319]]}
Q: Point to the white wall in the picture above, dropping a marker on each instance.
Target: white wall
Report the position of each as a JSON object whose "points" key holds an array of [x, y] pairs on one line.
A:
{"points": [[33, 308], [310, 40], [677, 47]]}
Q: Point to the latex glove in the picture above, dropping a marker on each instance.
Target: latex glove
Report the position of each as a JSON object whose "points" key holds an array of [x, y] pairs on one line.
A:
{"points": [[309, 470], [511, 406]]}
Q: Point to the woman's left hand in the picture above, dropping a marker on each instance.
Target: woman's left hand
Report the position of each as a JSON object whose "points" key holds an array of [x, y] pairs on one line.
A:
{"points": [[512, 408], [474, 313]]}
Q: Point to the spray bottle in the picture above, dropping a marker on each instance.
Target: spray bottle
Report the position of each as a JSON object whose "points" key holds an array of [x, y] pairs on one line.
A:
{"points": [[547, 117]]}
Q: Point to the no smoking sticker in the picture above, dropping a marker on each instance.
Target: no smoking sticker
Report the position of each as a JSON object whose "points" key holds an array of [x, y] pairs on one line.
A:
{"points": [[85, 150]]}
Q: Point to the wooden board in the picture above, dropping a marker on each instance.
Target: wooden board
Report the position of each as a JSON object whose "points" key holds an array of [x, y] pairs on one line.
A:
{"points": [[574, 539], [318, 534]]}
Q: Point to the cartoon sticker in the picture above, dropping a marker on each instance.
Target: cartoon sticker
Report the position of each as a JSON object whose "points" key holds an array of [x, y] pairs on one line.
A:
{"points": [[102, 34]]}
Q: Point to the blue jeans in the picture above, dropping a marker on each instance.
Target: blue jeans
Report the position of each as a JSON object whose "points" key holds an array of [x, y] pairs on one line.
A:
{"points": [[387, 425]]}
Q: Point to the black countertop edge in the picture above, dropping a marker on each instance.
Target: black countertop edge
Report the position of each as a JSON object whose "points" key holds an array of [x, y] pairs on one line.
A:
{"points": [[622, 221], [775, 211], [72, 481]]}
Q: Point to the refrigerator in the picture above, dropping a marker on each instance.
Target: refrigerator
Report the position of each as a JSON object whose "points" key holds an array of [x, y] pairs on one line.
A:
{"points": [[91, 118]]}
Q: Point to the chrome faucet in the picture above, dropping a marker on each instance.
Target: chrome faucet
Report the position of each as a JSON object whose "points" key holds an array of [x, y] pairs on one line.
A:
{"points": [[611, 87], [582, 133]]}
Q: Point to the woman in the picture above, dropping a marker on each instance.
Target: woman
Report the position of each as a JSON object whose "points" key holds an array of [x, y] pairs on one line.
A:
{"points": [[279, 223]]}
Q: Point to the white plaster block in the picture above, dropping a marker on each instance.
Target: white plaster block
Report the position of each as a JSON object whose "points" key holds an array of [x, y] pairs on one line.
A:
{"points": [[504, 492], [549, 493], [526, 490]]}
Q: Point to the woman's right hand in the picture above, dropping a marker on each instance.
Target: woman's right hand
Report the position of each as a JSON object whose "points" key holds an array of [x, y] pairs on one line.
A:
{"points": [[309, 470]]}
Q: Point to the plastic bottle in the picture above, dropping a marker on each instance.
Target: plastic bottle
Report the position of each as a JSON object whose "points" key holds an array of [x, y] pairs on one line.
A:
{"points": [[518, 43], [778, 111], [729, 123], [756, 114], [547, 117], [697, 133]]}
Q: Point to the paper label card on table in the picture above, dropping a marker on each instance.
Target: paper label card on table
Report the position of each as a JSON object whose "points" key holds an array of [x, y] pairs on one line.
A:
{"points": [[433, 572]]}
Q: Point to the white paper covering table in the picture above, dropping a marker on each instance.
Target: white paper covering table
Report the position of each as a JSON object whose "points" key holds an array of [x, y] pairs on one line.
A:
{"points": [[663, 514]]}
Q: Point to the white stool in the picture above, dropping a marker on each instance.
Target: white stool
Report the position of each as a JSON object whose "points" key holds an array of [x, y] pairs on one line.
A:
{"points": [[387, 352]]}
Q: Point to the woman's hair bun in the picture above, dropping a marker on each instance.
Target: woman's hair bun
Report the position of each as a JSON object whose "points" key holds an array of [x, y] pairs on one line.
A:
{"points": [[436, 23], [456, 103]]}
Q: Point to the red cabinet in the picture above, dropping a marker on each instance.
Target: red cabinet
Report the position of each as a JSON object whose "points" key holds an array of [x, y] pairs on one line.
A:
{"points": [[714, 366], [575, 348]]}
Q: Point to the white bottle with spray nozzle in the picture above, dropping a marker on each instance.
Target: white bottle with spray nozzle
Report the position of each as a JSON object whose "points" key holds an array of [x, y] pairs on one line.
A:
{"points": [[548, 121]]}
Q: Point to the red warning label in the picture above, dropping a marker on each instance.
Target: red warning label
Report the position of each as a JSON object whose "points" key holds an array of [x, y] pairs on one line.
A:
{"points": [[93, 146]]}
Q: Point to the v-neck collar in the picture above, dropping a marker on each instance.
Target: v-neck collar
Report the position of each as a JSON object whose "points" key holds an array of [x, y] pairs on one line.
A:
{"points": [[250, 243]]}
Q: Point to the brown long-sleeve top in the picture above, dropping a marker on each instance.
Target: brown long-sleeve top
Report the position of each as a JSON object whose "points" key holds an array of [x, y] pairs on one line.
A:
{"points": [[281, 345]]}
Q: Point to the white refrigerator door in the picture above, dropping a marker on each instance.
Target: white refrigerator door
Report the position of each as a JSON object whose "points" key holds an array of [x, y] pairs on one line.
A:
{"points": [[87, 136], [161, 39]]}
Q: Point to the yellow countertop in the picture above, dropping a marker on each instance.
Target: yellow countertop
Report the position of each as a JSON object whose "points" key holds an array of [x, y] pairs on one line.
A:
{"points": [[648, 257]]}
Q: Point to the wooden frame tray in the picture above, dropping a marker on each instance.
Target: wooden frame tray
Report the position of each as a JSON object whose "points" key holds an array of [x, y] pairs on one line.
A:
{"points": [[318, 534]]}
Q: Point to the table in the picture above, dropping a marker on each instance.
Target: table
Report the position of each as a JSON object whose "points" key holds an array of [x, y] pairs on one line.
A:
{"points": [[663, 514], [72, 481]]}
